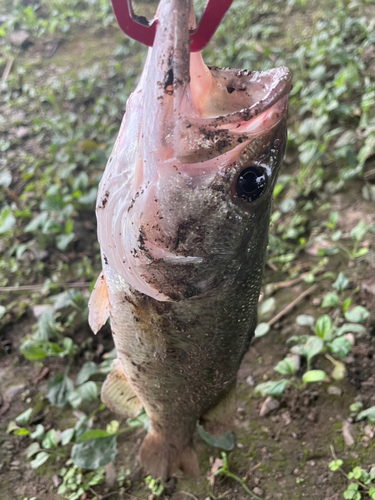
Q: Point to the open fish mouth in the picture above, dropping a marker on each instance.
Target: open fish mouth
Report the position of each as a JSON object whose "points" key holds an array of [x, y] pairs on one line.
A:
{"points": [[241, 106]]}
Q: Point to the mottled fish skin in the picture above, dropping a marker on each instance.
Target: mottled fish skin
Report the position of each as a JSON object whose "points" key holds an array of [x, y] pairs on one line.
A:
{"points": [[183, 254]]}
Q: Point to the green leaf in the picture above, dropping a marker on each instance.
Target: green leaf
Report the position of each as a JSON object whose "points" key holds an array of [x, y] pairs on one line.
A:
{"points": [[141, 420], [50, 440], [74, 399], [305, 320], [352, 492], [22, 432], [224, 441], [12, 426], [356, 407], [333, 220], [359, 473], [323, 327], [7, 220], [95, 453], [262, 329], [46, 325], [63, 240], [351, 328], [24, 417], [59, 388], [313, 376], [93, 434], [346, 304], [86, 371], [330, 300], [361, 252], [339, 371], [359, 231], [5, 177], [32, 350], [69, 347], [39, 460], [313, 346], [341, 283], [66, 436], [32, 450], [369, 414], [88, 391], [358, 314], [38, 433], [286, 367], [2, 311], [267, 306], [287, 205], [353, 486], [271, 388], [340, 346], [335, 464]]}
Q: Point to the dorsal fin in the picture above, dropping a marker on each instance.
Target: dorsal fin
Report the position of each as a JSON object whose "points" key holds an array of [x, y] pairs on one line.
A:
{"points": [[99, 304]]}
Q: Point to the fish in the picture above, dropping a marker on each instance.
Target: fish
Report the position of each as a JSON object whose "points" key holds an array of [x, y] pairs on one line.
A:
{"points": [[183, 213]]}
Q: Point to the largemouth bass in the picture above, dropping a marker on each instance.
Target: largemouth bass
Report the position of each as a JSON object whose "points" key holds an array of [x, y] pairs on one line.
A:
{"points": [[183, 212]]}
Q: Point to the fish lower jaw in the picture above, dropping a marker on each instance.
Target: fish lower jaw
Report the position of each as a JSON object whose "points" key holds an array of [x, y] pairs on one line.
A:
{"points": [[262, 122]]}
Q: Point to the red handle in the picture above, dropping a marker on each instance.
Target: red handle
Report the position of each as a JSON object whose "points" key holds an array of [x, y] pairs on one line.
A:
{"points": [[211, 18]]}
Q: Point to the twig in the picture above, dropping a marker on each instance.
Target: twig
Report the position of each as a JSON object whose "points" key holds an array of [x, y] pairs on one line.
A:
{"points": [[292, 304], [107, 495], [7, 69], [21, 288], [333, 452], [223, 495], [286, 284], [255, 467], [130, 496]]}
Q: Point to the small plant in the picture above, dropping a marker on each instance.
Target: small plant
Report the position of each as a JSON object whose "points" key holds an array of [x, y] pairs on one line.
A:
{"points": [[224, 471], [75, 482], [327, 338], [362, 483], [156, 486], [357, 235], [92, 448]]}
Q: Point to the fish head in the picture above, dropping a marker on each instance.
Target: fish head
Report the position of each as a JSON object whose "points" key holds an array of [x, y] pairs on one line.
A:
{"points": [[184, 204]]}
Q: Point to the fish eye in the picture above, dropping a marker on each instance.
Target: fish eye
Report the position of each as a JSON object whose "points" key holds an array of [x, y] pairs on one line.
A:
{"points": [[251, 183]]}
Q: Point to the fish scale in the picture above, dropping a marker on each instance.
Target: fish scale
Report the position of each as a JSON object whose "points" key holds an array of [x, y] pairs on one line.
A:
{"points": [[183, 213]]}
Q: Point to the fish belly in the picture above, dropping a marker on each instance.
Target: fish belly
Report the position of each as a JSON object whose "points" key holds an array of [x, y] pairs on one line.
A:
{"points": [[181, 360]]}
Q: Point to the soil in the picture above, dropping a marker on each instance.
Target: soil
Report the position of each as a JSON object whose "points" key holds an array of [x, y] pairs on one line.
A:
{"points": [[284, 455]]}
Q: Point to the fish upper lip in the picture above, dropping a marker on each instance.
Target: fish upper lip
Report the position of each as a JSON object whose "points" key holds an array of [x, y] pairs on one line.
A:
{"points": [[283, 88], [275, 94]]}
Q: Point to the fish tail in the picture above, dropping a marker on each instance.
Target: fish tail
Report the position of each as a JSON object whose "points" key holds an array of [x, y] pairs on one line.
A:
{"points": [[162, 457]]}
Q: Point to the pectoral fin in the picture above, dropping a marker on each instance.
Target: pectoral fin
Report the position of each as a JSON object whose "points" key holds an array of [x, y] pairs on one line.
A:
{"points": [[99, 304], [118, 396]]}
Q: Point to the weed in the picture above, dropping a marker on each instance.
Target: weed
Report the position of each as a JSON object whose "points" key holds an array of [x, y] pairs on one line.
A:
{"points": [[224, 471], [362, 482]]}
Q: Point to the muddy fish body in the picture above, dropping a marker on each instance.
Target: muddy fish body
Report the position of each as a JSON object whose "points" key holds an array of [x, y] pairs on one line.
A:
{"points": [[183, 212]]}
